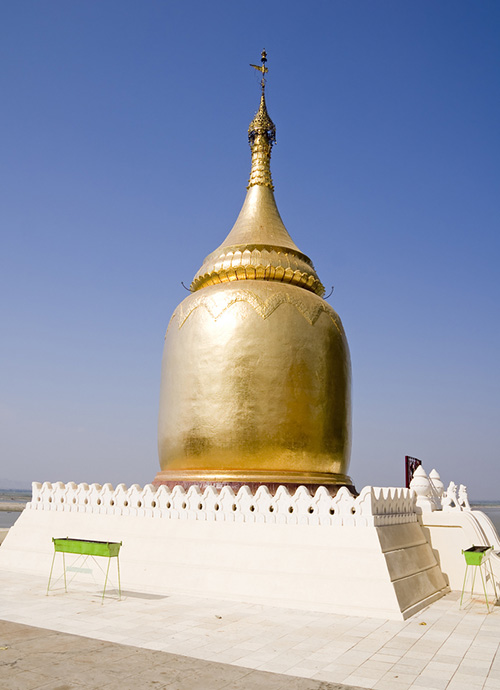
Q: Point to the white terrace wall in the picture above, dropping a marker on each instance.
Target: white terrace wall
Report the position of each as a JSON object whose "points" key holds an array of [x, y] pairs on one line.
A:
{"points": [[364, 555], [451, 526]]}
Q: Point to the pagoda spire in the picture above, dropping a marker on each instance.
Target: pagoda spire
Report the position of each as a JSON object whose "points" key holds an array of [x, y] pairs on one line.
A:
{"points": [[261, 136], [259, 247]]}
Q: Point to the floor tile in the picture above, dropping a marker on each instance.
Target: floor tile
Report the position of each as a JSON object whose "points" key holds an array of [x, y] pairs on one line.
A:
{"points": [[454, 647]]}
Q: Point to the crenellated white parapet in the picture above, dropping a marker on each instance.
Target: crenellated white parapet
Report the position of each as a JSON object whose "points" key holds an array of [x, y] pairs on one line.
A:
{"points": [[374, 506]]}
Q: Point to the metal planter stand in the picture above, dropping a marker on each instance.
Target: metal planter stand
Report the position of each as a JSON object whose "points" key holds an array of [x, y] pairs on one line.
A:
{"points": [[479, 557], [87, 548]]}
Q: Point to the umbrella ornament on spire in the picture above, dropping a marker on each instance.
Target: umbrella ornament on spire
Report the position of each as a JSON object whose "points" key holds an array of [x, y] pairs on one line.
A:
{"points": [[262, 68], [261, 136]]}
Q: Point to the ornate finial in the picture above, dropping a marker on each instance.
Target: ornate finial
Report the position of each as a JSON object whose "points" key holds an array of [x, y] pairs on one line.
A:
{"points": [[262, 68], [261, 136]]}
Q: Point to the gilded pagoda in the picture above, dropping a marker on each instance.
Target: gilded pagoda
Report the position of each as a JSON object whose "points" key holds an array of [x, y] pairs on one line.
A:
{"points": [[256, 375]]}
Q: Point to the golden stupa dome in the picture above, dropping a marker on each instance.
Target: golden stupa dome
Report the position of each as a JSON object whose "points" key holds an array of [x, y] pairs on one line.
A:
{"points": [[256, 372]]}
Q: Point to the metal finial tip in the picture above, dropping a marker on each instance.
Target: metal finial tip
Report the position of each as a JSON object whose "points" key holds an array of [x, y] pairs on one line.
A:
{"points": [[262, 67]]}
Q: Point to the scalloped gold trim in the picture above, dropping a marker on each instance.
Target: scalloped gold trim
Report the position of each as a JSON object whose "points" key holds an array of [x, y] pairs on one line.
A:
{"points": [[217, 305], [259, 262], [269, 273]]}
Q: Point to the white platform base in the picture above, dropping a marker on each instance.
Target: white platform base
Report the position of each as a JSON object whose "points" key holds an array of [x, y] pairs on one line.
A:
{"points": [[362, 569]]}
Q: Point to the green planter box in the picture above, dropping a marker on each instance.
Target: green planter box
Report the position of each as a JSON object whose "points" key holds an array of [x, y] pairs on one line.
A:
{"points": [[475, 554], [87, 547]]}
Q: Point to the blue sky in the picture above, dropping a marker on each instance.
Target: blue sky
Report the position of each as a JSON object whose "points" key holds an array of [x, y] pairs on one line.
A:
{"points": [[124, 162]]}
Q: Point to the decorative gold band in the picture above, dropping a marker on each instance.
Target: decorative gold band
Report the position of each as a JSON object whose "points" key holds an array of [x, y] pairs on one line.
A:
{"points": [[251, 477]]}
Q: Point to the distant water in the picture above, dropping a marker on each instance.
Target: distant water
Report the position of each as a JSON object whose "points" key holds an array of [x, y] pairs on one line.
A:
{"points": [[8, 517], [492, 510]]}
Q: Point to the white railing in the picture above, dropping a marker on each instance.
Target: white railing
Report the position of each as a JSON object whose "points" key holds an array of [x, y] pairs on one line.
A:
{"points": [[373, 507]]}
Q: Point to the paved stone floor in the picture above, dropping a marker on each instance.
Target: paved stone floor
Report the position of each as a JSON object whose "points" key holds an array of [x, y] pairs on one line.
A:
{"points": [[211, 644], [36, 658]]}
